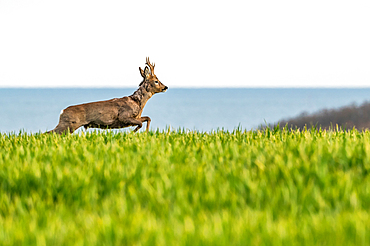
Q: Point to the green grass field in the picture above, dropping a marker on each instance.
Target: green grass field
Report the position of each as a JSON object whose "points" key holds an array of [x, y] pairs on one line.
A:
{"points": [[271, 187]]}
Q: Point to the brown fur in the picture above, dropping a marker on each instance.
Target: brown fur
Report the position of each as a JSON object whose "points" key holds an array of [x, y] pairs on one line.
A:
{"points": [[114, 113]]}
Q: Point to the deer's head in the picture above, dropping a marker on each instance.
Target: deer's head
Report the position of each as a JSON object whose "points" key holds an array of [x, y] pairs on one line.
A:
{"points": [[151, 82]]}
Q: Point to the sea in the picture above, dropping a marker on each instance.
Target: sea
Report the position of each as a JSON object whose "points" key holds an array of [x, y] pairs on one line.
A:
{"points": [[205, 109]]}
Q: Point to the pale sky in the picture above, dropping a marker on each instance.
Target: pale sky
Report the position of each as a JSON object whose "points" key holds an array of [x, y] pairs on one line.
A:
{"points": [[87, 43]]}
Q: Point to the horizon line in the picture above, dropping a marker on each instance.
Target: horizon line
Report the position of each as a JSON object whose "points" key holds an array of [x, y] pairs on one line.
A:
{"points": [[188, 87]]}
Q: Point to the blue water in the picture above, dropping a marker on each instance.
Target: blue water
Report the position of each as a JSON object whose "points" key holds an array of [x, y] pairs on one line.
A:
{"points": [[37, 110]]}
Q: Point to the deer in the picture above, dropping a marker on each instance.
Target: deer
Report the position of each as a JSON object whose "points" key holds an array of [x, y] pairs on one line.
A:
{"points": [[114, 113]]}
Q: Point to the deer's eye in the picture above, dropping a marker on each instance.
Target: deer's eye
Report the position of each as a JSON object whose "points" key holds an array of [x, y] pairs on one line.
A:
{"points": [[156, 82]]}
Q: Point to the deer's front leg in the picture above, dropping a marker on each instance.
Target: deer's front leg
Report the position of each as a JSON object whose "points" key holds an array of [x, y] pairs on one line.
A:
{"points": [[143, 119], [148, 120], [137, 122]]}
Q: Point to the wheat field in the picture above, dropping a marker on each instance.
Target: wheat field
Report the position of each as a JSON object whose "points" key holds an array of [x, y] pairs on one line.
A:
{"points": [[177, 187]]}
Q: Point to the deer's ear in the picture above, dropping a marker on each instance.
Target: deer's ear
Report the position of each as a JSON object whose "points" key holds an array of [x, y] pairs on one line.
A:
{"points": [[146, 72], [142, 72]]}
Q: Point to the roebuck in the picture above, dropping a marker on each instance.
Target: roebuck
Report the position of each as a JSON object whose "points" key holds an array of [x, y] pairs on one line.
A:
{"points": [[114, 113]]}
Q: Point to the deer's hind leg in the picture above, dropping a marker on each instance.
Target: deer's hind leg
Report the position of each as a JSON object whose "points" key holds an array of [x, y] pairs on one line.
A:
{"points": [[68, 122], [63, 128]]}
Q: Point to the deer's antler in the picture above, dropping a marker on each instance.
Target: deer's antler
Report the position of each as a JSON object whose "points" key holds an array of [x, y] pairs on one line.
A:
{"points": [[150, 65]]}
